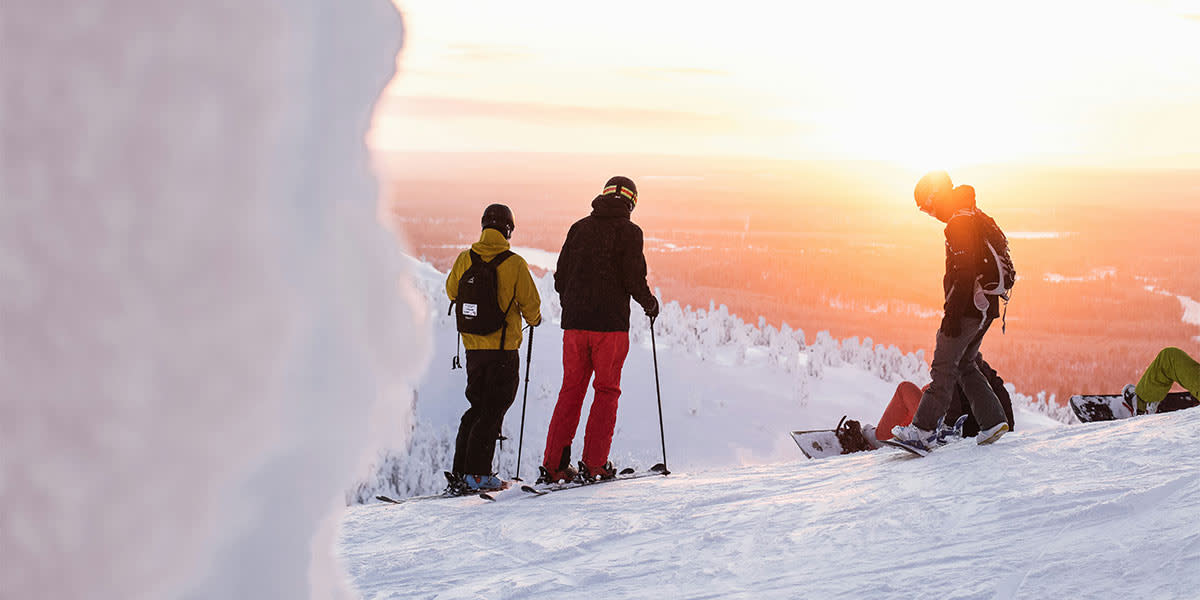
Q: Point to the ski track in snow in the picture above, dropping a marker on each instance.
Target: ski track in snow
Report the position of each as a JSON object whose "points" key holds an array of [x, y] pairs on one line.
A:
{"points": [[1083, 511]]}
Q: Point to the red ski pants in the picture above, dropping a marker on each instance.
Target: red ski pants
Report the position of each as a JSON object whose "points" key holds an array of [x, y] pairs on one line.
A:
{"points": [[584, 353]]}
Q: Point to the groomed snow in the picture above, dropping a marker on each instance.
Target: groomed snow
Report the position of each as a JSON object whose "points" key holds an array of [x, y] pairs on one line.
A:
{"points": [[1103, 510]]}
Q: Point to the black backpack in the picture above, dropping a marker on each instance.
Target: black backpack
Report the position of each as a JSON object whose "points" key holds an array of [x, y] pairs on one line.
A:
{"points": [[478, 302], [998, 275]]}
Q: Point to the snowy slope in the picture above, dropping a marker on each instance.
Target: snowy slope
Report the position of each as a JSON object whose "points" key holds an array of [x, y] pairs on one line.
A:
{"points": [[731, 391], [1102, 510], [745, 515]]}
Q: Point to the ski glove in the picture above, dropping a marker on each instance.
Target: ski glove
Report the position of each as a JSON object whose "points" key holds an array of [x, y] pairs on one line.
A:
{"points": [[951, 327], [652, 311]]}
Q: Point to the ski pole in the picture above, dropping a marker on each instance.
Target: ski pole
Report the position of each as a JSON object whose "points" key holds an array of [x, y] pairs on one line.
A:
{"points": [[521, 438], [662, 434]]}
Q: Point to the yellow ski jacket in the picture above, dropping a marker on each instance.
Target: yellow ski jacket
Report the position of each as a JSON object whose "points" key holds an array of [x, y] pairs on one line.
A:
{"points": [[514, 283]]}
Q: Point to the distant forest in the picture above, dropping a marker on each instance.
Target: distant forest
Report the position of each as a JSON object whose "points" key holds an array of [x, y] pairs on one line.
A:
{"points": [[824, 247]]}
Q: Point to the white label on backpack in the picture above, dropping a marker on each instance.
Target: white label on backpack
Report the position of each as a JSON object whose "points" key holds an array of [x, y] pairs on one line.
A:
{"points": [[470, 310]]}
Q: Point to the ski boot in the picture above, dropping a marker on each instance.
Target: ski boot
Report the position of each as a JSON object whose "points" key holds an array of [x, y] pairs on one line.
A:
{"points": [[475, 484], [564, 475], [455, 484], [590, 474]]}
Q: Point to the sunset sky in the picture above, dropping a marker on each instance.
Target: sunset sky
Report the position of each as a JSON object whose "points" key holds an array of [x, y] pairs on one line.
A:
{"points": [[938, 83]]}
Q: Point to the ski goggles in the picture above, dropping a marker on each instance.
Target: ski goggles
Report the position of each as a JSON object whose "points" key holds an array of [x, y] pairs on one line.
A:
{"points": [[622, 191]]}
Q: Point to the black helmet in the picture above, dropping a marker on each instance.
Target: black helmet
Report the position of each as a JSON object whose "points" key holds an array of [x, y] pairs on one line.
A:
{"points": [[500, 218], [622, 187]]}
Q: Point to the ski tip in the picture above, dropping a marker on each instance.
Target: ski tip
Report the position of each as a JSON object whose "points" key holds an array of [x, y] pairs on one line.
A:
{"points": [[386, 499], [660, 468], [532, 490], [487, 496], [627, 471]]}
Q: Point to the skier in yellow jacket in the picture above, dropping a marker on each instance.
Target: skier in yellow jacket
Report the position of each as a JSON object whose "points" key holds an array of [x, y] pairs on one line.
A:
{"points": [[489, 268]]}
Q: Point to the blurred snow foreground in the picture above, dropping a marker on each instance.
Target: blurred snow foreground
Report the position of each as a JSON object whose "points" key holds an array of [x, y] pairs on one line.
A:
{"points": [[199, 309]]}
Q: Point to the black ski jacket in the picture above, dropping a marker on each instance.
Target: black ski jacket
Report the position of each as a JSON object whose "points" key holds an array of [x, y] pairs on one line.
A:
{"points": [[600, 267]]}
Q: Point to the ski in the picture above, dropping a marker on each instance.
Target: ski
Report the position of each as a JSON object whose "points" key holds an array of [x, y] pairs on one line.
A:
{"points": [[623, 475], [452, 483], [390, 500], [488, 494]]}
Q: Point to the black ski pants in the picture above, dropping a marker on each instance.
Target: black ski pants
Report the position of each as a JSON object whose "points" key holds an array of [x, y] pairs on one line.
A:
{"points": [[954, 365], [492, 380]]}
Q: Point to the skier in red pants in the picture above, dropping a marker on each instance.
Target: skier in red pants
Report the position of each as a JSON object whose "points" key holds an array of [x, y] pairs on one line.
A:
{"points": [[600, 268]]}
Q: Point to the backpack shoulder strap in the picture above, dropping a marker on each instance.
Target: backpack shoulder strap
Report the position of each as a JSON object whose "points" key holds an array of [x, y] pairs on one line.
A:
{"points": [[499, 258], [475, 257], [963, 212]]}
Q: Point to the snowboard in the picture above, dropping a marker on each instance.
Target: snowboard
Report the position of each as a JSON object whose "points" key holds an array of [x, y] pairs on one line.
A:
{"points": [[819, 443], [823, 443], [903, 446], [1090, 408]]}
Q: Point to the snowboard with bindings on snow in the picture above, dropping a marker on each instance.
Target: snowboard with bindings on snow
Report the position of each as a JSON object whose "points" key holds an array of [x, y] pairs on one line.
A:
{"points": [[542, 489], [848, 437], [1089, 408], [945, 435]]}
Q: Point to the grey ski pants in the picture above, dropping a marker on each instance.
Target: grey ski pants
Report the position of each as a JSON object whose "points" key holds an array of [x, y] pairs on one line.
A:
{"points": [[954, 364]]}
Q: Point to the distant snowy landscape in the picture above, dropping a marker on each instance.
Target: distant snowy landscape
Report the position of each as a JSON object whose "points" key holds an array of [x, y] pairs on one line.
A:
{"points": [[1053, 509]]}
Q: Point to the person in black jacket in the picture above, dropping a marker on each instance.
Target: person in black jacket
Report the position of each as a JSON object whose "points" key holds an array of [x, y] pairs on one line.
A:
{"points": [[968, 314], [600, 268]]}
